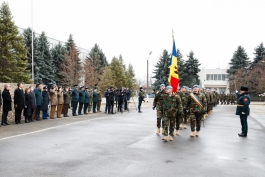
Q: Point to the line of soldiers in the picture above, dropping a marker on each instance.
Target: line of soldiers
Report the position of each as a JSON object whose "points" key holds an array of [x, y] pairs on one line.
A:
{"points": [[175, 109], [229, 98]]}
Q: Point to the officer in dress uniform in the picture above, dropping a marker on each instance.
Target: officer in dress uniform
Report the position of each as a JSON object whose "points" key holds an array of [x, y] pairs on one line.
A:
{"points": [[243, 110]]}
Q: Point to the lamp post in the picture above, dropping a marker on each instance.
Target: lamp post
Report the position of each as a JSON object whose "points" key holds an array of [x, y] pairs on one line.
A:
{"points": [[147, 72], [32, 41]]}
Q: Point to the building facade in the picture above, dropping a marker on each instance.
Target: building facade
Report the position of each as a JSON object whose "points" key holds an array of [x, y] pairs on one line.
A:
{"points": [[214, 79]]}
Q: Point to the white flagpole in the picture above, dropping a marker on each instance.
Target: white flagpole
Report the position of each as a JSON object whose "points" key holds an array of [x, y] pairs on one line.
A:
{"points": [[32, 40]]}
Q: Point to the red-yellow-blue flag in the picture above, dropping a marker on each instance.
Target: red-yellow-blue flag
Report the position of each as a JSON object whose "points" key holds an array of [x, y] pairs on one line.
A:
{"points": [[173, 78]]}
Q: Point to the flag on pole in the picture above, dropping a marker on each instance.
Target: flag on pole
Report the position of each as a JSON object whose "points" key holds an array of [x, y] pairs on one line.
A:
{"points": [[173, 78]]}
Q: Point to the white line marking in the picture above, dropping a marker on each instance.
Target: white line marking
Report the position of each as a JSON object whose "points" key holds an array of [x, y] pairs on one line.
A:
{"points": [[50, 128]]}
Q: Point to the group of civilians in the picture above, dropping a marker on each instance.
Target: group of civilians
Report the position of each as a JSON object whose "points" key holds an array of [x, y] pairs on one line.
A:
{"points": [[34, 100]]}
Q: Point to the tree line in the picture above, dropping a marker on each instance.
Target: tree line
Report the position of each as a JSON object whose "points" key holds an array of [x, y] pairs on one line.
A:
{"points": [[60, 64], [245, 72]]}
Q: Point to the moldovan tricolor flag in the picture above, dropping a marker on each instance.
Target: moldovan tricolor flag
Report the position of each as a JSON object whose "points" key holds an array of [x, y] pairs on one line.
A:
{"points": [[173, 78]]}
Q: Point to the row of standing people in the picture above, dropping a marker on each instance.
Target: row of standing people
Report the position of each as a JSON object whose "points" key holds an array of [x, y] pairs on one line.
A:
{"points": [[33, 101]]}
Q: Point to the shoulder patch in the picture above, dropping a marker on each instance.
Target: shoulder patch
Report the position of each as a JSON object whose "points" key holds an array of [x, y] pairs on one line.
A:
{"points": [[245, 99]]}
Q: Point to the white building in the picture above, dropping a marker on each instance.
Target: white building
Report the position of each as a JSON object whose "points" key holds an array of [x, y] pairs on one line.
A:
{"points": [[214, 79]]}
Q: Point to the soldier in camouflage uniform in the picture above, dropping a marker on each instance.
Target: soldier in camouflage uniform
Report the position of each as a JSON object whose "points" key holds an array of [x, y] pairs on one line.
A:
{"points": [[158, 105], [171, 106], [222, 98], [91, 101], [183, 95], [209, 101], [225, 98], [197, 106], [99, 101]]}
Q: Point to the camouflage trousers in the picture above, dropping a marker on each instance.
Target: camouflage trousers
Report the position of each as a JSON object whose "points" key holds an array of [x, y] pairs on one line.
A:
{"points": [[185, 116], [98, 105], [209, 108], [89, 107], [159, 119], [169, 123], [195, 119]]}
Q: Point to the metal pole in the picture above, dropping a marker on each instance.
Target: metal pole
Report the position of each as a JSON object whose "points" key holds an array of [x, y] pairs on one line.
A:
{"points": [[147, 77], [32, 41]]}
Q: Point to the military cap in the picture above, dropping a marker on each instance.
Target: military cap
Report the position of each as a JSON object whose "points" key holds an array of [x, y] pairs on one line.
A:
{"points": [[45, 87], [196, 86], [161, 85], [141, 88], [169, 87], [86, 88], [243, 88], [75, 85], [81, 86]]}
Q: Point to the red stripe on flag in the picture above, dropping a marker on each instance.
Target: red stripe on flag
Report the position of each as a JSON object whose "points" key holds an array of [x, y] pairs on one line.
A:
{"points": [[174, 82]]}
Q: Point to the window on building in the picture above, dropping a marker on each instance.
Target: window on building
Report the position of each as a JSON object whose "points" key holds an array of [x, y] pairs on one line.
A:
{"points": [[208, 77], [215, 77], [219, 77], [211, 77], [223, 77]]}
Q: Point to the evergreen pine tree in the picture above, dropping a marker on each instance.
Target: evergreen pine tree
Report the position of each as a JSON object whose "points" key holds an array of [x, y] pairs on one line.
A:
{"points": [[259, 53], [13, 64], [181, 68], [106, 79], [47, 70], [73, 61], [130, 77], [118, 74], [161, 71], [70, 43], [58, 53], [239, 60], [36, 63], [191, 70], [98, 60]]}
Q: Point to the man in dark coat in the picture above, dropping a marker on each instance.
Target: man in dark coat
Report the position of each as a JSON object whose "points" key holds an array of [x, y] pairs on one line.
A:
{"points": [[111, 100], [19, 102], [107, 100], [95, 100], [81, 100], [38, 95], [140, 99], [66, 99], [7, 100], [45, 103], [243, 110], [86, 101], [75, 99], [32, 98], [0, 98]]}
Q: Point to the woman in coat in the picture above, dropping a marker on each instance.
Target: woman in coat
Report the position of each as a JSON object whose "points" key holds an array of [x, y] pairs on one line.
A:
{"points": [[45, 103], [27, 109], [60, 102], [7, 100], [54, 101]]}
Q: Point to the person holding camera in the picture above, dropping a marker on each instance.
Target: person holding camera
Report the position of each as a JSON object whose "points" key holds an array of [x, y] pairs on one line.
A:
{"points": [[54, 100], [196, 104]]}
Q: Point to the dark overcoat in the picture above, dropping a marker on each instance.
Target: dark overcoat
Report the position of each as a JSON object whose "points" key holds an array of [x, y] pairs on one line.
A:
{"points": [[45, 101], [27, 110], [7, 100], [243, 104], [19, 98], [32, 100], [87, 98], [66, 97], [95, 97]]}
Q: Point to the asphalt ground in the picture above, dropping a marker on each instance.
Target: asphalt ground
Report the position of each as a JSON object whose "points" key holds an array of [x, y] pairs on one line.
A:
{"points": [[126, 145]]}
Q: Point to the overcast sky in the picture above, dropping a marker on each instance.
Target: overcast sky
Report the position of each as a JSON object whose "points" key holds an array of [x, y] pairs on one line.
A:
{"points": [[213, 29]]}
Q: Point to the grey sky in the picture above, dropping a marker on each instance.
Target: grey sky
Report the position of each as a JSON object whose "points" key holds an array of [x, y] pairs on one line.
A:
{"points": [[213, 29]]}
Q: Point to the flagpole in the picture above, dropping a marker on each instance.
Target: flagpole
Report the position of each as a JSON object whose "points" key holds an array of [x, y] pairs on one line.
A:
{"points": [[32, 41]]}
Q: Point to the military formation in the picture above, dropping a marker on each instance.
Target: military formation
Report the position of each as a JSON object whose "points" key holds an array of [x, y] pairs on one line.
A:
{"points": [[174, 110], [227, 99]]}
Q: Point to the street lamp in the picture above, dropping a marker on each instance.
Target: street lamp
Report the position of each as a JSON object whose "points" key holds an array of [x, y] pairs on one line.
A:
{"points": [[147, 72]]}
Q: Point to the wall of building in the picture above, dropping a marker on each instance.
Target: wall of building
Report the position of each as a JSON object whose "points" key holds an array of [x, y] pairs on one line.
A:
{"points": [[214, 79]]}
